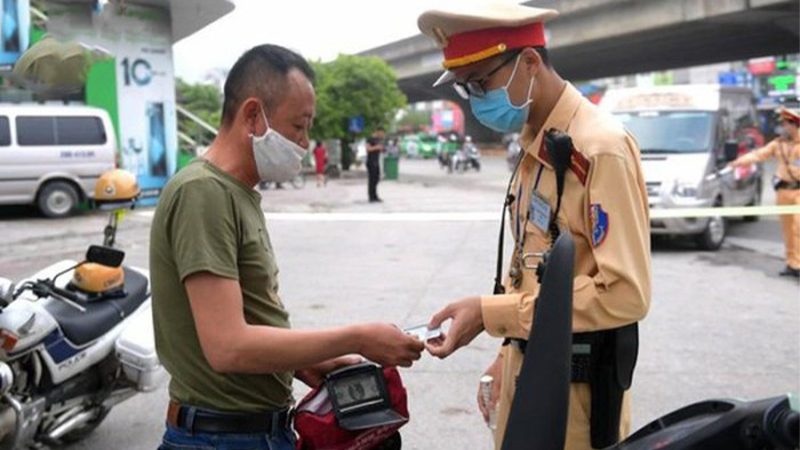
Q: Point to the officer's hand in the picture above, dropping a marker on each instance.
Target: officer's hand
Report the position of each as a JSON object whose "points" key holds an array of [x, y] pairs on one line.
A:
{"points": [[315, 375], [388, 346], [467, 324], [496, 371]]}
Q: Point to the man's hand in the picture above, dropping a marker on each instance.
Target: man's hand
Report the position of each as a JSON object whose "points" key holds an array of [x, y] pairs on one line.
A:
{"points": [[315, 375], [467, 324], [388, 346], [496, 371]]}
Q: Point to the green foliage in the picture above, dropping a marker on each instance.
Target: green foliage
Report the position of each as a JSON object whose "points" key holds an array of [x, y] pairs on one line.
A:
{"points": [[352, 86], [204, 101]]}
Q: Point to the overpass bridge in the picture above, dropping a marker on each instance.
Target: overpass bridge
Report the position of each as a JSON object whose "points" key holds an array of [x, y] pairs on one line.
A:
{"points": [[604, 38]]}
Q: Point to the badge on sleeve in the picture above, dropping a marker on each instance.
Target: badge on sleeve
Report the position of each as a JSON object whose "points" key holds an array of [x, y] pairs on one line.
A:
{"points": [[599, 224]]}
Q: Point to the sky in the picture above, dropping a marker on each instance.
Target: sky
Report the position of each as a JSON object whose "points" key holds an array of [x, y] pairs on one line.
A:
{"points": [[317, 29]]}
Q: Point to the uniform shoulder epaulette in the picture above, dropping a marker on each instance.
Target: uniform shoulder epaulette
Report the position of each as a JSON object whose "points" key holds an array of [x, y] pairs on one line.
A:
{"points": [[579, 164]]}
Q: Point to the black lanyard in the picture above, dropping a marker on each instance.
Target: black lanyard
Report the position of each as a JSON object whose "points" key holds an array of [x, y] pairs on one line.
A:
{"points": [[498, 279], [559, 147]]}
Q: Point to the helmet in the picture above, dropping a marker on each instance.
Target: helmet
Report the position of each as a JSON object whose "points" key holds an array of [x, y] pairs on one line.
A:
{"points": [[92, 278], [116, 186]]}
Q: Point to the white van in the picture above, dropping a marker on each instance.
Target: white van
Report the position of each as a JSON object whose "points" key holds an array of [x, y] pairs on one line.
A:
{"points": [[687, 134], [52, 155]]}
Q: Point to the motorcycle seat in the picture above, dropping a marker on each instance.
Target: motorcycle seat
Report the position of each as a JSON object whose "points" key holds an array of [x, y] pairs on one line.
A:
{"points": [[101, 316]]}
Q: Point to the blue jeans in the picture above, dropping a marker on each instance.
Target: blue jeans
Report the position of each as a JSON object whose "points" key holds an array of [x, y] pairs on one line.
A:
{"points": [[176, 439]]}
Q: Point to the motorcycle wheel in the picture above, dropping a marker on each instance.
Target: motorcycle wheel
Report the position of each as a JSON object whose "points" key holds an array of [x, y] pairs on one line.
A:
{"points": [[83, 432]]}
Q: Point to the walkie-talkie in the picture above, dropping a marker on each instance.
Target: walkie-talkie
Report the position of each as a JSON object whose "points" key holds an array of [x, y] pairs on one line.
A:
{"points": [[559, 148]]}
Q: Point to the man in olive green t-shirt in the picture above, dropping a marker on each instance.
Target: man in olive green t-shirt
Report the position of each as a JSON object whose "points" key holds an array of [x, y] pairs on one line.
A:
{"points": [[221, 329]]}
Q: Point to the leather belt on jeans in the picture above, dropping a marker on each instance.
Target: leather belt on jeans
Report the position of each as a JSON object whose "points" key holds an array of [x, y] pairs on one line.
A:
{"points": [[198, 420]]}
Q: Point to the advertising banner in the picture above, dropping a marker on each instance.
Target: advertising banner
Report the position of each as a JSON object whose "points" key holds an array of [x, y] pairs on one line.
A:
{"points": [[14, 31], [139, 38]]}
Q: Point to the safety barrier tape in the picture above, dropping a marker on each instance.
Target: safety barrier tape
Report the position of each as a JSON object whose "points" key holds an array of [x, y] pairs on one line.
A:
{"points": [[728, 211], [656, 213]]}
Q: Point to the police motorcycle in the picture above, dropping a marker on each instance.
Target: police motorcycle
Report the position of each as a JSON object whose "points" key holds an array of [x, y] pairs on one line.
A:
{"points": [[71, 349], [539, 409]]}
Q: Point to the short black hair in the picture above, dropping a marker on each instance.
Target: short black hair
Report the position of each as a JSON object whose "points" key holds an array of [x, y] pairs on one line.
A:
{"points": [[261, 72], [544, 55]]}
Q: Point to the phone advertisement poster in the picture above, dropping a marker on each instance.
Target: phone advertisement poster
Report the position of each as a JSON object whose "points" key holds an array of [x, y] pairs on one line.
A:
{"points": [[14, 31]]}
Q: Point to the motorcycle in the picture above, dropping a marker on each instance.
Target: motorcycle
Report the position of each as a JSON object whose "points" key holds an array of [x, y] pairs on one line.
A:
{"points": [[468, 157], [67, 356]]}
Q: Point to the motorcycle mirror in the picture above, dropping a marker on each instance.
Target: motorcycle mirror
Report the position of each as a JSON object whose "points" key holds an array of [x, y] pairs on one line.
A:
{"points": [[106, 256], [6, 290]]}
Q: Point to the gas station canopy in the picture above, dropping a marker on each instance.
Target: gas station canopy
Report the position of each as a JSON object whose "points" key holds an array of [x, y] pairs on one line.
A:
{"points": [[188, 16]]}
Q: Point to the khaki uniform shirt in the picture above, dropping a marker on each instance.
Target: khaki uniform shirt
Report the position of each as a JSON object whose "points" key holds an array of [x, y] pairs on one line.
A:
{"points": [[605, 208], [785, 152]]}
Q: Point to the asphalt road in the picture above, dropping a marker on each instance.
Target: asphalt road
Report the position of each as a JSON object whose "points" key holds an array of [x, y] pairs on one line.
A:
{"points": [[722, 324]]}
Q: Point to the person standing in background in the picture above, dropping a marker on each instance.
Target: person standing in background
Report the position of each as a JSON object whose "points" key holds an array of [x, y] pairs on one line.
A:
{"points": [[375, 146], [786, 150], [321, 161]]}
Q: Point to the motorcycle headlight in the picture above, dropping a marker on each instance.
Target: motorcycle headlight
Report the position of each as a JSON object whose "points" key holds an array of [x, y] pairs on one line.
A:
{"points": [[685, 190]]}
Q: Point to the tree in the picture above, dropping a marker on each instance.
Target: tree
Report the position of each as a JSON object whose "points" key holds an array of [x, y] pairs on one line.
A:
{"points": [[354, 86], [202, 100]]}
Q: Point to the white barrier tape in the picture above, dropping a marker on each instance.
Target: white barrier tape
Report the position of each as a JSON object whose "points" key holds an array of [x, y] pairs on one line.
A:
{"points": [[669, 213], [384, 217], [731, 211]]}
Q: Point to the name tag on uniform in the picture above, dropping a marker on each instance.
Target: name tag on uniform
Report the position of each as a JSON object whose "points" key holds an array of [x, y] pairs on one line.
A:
{"points": [[539, 211]]}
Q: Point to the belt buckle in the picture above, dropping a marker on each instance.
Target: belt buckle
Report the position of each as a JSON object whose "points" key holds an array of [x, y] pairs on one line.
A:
{"points": [[534, 255]]}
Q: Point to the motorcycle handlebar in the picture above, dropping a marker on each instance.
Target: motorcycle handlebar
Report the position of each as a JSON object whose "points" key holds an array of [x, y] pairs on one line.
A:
{"points": [[65, 293]]}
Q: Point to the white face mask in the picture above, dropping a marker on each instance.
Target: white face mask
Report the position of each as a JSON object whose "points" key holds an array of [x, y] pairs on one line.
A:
{"points": [[278, 159]]}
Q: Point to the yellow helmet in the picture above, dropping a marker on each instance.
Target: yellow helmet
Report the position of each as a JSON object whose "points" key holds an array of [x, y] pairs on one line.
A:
{"points": [[116, 186], [95, 278]]}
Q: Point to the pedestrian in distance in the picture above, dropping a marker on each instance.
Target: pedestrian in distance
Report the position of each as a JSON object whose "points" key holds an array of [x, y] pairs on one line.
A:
{"points": [[320, 163], [375, 146]]}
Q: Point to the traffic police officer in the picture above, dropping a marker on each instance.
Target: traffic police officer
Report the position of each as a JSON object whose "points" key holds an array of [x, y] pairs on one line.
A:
{"points": [[786, 149], [495, 56]]}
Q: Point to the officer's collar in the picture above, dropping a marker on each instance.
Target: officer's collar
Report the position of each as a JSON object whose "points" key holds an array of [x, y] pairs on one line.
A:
{"points": [[559, 118]]}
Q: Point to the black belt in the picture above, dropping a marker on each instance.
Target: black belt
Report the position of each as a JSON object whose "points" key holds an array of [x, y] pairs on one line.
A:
{"points": [[197, 420], [580, 366], [787, 185]]}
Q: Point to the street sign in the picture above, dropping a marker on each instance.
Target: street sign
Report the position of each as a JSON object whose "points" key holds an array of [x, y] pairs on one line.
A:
{"points": [[355, 125]]}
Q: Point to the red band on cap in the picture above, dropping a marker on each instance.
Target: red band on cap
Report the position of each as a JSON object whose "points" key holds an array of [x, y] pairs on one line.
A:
{"points": [[790, 116], [471, 42]]}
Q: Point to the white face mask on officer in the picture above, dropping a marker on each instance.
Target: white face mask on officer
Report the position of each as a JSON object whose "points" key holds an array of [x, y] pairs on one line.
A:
{"points": [[278, 159]]}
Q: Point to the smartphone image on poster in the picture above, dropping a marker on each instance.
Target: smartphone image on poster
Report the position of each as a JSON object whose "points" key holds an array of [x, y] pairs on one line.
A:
{"points": [[9, 27], [156, 140]]}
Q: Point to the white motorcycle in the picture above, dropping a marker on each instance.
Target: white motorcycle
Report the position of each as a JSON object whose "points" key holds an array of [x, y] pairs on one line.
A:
{"points": [[76, 338], [66, 360]]}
